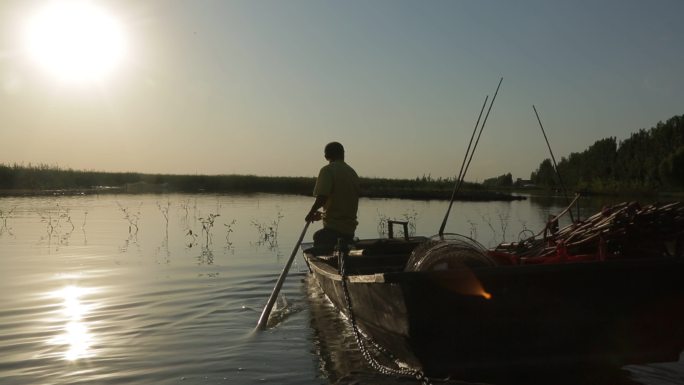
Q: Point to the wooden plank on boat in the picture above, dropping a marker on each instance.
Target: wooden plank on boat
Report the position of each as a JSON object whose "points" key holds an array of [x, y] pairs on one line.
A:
{"points": [[371, 278]]}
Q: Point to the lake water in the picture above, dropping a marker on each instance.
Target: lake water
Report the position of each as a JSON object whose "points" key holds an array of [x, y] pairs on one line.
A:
{"points": [[155, 289]]}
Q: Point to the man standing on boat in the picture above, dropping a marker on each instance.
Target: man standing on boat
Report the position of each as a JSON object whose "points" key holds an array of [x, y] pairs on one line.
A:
{"points": [[337, 193]]}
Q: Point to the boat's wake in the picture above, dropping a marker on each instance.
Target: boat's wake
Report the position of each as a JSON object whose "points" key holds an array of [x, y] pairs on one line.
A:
{"points": [[282, 310]]}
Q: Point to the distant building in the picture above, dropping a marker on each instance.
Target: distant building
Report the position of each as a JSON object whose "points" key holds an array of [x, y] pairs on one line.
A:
{"points": [[524, 183]]}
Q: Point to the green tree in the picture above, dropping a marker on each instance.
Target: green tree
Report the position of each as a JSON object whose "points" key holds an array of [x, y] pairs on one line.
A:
{"points": [[648, 159], [545, 174], [505, 180], [672, 169]]}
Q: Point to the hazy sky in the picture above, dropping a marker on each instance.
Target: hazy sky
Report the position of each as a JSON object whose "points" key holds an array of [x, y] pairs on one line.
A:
{"points": [[259, 87]]}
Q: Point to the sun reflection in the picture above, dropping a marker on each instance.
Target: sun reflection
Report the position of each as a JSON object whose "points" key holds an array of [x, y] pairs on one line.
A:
{"points": [[75, 337]]}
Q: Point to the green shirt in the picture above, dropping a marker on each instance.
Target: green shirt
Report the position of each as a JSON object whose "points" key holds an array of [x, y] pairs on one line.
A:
{"points": [[339, 182]]}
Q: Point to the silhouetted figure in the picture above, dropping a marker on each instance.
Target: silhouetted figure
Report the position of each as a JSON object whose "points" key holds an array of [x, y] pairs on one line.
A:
{"points": [[337, 193]]}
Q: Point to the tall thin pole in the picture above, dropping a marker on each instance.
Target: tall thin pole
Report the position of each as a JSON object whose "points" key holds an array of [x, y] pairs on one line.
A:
{"points": [[462, 174], [472, 136], [482, 128], [555, 165]]}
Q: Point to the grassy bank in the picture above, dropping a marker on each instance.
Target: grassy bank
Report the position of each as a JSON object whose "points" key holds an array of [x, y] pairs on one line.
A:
{"points": [[36, 180]]}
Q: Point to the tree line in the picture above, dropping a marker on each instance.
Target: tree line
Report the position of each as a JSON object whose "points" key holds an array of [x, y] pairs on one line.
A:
{"points": [[649, 160]]}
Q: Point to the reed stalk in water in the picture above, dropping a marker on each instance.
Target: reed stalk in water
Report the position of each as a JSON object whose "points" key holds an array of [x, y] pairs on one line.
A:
{"points": [[4, 216], [131, 217], [229, 230], [268, 233], [207, 224]]}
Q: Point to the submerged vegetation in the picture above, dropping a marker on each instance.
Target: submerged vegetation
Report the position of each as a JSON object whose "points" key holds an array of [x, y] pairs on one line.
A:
{"points": [[268, 232]]}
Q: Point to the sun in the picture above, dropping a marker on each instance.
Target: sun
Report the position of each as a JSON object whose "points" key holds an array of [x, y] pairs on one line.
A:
{"points": [[76, 41]]}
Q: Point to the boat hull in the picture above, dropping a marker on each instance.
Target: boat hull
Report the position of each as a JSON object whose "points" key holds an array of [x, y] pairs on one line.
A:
{"points": [[466, 321]]}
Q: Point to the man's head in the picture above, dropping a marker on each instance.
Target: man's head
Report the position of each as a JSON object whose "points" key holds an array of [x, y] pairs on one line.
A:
{"points": [[334, 151]]}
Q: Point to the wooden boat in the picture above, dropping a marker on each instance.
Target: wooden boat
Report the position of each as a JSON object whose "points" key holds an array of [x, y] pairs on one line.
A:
{"points": [[473, 311]]}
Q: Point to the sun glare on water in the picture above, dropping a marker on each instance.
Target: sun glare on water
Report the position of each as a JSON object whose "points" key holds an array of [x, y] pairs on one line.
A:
{"points": [[75, 336], [76, 41]]}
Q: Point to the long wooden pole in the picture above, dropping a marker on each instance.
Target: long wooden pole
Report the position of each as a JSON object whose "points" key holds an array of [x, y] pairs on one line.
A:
{"points": [[555, 165], [263, 319], [470, 143], [462, 174], [457, 182], [481, 129]]}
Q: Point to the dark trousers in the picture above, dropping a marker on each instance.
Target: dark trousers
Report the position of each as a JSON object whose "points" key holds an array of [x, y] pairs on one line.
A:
{"points": [[325, 239]]}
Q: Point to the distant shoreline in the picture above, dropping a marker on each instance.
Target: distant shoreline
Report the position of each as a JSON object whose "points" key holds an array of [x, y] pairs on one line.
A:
{"points": [[45, 180], [478, 196], [17, 180]]}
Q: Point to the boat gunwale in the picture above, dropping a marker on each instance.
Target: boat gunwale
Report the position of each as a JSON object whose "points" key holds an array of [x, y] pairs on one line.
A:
{"points": [[324, 268]]}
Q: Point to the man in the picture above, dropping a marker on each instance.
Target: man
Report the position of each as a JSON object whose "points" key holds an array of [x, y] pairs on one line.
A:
{"points": [[337, 193]]}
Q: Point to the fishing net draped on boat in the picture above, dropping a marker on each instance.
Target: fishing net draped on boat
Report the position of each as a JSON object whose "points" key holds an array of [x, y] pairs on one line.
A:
{"points": [[447, 252], [625, 230]]}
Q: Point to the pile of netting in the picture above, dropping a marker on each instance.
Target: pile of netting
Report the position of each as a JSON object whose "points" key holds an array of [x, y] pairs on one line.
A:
{"points": [[626, 230], [450, 251]]}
